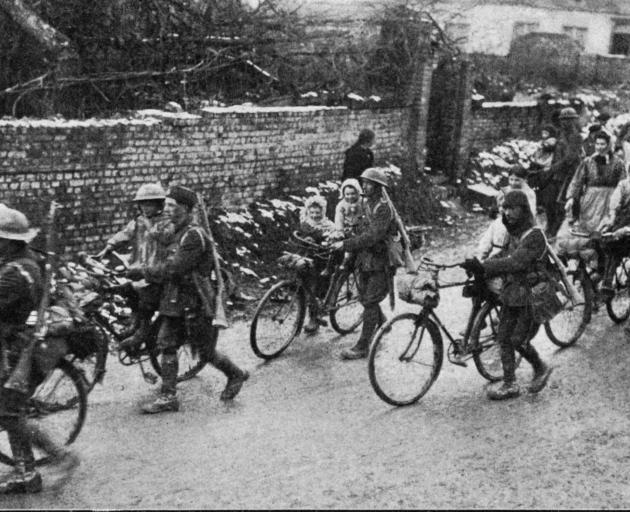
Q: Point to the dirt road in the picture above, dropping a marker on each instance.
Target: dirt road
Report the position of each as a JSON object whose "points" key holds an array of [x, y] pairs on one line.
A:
{"points": [[308, 431]]}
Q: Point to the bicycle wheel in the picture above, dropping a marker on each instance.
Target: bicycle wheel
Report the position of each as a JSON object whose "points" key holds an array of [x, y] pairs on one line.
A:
{"points": [[348, 312], [278, 319], [618, 306], [567, 326], [405, 359], [189, 361], [58, 406], [92, 366], [483, 340]]}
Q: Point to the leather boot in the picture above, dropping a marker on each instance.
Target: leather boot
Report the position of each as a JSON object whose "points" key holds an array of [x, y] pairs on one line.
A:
{"points": [[167, 401], [312, 325], [236, 376], [21, 481], [540, 378], [503, 391], [372, 318]]}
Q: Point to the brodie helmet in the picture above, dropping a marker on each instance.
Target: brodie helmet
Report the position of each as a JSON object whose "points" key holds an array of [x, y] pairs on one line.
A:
{"points": [[568, 113], [150, 191], [376, 175]]}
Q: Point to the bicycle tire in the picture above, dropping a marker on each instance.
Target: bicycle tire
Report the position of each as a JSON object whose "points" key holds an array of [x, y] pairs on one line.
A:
{"points": [[487, 355], [189, 362], [346, 286], [582, 312], [72, 400], [282, 293], [619, 310], [397, 339], [93, 366]]}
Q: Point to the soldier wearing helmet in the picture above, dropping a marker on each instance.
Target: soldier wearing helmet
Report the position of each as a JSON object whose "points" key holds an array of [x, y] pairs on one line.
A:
{"points": [[566, 158], [377, 256], [143, 234], [21, 287]]}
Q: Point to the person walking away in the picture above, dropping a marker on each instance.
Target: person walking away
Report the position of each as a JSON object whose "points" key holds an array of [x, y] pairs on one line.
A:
{"points": [[520, 267], [359, 156], [378, 253], [21, 288], [566, 158], [188, 263], [145, 234], [314, 225], [349, 213], [588, 200]]}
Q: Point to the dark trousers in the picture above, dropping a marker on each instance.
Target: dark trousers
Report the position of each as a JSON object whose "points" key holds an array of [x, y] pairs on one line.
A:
{"points": [[516, 329], [554, 210], [202, 335], [373, 288], [614, 252]]}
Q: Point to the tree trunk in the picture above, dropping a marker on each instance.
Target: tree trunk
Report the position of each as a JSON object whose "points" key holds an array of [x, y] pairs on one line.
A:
{"points": [[56, 44]]}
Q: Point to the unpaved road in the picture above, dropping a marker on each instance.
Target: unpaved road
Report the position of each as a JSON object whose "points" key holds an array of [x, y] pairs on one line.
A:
{"points": [[308, 431]]}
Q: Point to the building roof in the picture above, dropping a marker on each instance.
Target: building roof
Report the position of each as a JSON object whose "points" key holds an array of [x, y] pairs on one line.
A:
{"points": [[615, 7]]}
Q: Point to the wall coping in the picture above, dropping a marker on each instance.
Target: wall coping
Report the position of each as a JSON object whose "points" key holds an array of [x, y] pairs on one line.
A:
{"points": [[253, 109], [75, 123], [509, 104]]}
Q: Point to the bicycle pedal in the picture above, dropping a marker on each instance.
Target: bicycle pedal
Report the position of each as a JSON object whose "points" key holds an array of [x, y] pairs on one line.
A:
{"points": [[458, 362]]}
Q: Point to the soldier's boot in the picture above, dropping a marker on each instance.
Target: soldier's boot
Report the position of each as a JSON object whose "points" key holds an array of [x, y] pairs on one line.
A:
{"points": [[134, 341], [23, 478], [167, 401], [236, 377], [508, 388], [62, 460], [542, 371], [372, 319], [312, 323]]}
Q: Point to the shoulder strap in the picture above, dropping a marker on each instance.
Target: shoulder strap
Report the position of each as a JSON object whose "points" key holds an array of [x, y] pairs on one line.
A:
{"points": [[547, 246], [201, 235]]}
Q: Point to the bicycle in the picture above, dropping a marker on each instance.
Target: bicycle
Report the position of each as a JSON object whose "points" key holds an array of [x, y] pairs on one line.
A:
{"points": [[400, 354], [59, 405], [107, 309], [279, 316]]}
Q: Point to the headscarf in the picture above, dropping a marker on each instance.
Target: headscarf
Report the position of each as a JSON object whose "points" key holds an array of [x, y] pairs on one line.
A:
{"points": [[350, 182]]}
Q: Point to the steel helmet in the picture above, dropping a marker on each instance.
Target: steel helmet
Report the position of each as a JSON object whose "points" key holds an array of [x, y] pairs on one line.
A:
{"points": [[376, 175], [150, 191], [568, 113]]}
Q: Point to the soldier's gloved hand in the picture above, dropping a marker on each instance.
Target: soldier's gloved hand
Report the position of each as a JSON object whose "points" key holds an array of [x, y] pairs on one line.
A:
{"points": [[134, 273], [474, 266], [104, 252]]}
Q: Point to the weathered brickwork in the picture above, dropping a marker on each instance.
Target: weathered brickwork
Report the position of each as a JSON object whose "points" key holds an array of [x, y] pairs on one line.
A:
{"points": [[235, 155], [495, 122]]}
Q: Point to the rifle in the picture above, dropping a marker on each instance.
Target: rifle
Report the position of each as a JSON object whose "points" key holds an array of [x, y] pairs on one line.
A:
{"points": [[20, 379], [410, 264], [219, 319]]}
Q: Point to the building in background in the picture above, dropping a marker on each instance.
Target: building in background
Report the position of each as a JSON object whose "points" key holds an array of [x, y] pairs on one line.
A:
{"points": [[490, 26]]}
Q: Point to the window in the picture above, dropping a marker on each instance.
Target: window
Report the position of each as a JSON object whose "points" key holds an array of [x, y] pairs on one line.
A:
{"points": [[577, 33], [459, 33], [524, 27], [620, 40]]}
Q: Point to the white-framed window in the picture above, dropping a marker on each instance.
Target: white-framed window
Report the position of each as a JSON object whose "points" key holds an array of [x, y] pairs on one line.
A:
{"points": [[524, 27], [576, 33], [459, 33]]}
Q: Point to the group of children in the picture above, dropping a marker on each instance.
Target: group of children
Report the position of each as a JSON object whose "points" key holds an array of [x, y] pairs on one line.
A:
{"points": [[315, 225]]}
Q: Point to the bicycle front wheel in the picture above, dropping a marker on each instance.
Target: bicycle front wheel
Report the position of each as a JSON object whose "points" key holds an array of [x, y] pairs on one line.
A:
{"points": [[405, 358], [483, 340], [567, 326], [58, 407], [347, 314], [618, 306], [278, 319], [189, 362]]}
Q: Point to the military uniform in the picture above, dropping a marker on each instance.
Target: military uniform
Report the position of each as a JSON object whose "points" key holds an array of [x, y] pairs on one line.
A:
{"points": [[376, 260], [184, 277]]}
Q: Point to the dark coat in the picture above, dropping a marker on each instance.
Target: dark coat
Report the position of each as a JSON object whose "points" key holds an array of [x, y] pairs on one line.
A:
{"points": [[521, 267], [566, 157], [20, 287], [376, 229], [188, 253], [357, 160]]}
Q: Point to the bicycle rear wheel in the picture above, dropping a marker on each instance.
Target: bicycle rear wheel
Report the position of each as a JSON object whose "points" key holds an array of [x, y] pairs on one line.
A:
{"points": [[348, 312], [58, 406], [405, 359], [483, 339], [567, 326], [278, 319], [618, 306]]}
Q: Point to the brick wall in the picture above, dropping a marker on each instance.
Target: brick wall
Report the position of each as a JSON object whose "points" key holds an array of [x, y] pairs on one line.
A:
{"points": [[495, 122], [234, 155]]}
